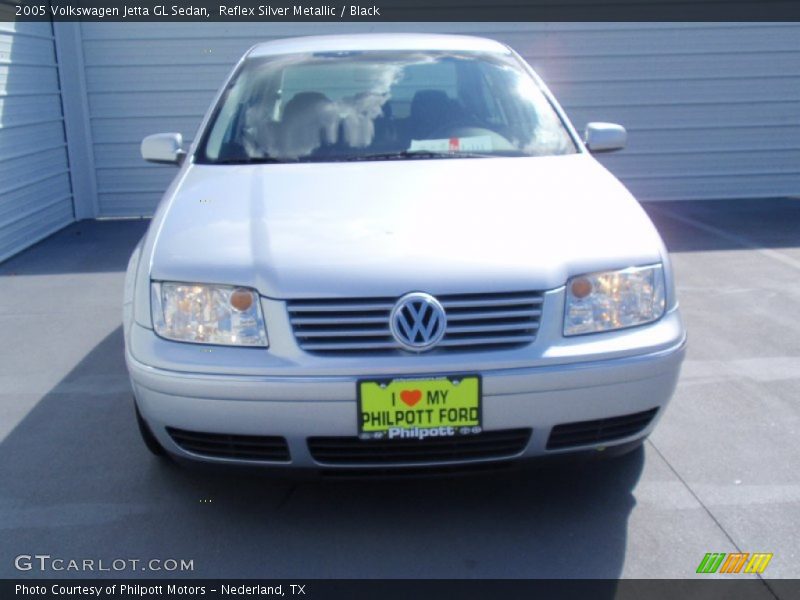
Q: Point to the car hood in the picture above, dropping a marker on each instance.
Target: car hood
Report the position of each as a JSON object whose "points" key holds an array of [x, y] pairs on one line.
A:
{"points": [[389, 227]]}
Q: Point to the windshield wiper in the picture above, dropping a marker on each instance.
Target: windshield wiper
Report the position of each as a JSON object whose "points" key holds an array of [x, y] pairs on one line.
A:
{"points": [[411, 154], [257, 160], [398, 155]]}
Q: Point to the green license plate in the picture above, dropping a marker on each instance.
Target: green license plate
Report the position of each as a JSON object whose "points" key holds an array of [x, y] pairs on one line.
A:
{"points": [[419, 408]]}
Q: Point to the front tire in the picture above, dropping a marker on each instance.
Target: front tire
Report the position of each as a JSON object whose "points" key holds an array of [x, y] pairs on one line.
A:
{"points": [[147, 436], [620, 452]]}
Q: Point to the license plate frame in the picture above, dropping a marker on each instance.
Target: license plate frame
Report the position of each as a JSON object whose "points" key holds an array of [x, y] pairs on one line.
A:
{"points": [[421, 427]]}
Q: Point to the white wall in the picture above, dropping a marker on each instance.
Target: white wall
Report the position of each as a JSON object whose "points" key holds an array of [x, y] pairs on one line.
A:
{"points": [[35, 193]]}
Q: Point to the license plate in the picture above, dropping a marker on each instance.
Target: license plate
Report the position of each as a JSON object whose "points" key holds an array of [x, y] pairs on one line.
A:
{"points": [[419, 408]]}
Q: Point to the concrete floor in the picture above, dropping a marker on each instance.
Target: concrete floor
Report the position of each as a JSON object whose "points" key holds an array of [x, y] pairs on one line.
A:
{"points": [[721, 473]]}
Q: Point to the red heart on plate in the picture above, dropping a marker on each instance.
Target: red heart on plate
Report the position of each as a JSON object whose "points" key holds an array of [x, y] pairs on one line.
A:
{"points": [[411, 397]]}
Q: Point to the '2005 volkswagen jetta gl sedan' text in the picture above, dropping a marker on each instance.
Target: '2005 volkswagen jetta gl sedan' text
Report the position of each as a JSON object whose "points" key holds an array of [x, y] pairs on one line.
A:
{"points": [[393, 251]]}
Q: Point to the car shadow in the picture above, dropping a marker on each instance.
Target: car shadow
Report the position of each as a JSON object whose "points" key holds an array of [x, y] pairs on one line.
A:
{"points": [[78, 483]]}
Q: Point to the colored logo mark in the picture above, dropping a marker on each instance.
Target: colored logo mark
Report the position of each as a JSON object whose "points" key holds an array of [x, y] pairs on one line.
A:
{"points": [[736, 562]]}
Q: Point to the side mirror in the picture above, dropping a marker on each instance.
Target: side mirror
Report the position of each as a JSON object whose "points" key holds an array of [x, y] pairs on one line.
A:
{"points": [[163, 148], [605, 137]]}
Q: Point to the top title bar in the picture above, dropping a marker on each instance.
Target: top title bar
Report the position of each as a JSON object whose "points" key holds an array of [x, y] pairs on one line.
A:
{"points": [[398, 10]]}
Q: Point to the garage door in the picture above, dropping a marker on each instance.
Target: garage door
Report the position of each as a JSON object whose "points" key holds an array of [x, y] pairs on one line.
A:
{"points": [[35, 195], [713, 110]]}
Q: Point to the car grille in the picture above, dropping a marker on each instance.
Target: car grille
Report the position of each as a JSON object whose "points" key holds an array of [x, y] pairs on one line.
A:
{"points": [[601, 430], [241, 447], [474, 322], [355, 451]]}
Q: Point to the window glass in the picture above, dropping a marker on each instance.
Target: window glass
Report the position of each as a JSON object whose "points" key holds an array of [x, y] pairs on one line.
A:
{"points": [[382, 105]]}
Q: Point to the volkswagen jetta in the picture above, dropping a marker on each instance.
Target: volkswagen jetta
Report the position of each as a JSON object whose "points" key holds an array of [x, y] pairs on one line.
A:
{"points": [[394, 251]]}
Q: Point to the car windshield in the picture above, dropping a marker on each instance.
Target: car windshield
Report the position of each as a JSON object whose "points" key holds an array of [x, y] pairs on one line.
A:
{"points": [[383, 105]]}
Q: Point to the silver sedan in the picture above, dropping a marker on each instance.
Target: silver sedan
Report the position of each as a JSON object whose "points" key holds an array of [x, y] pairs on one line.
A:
{"points": [[393, 252]]}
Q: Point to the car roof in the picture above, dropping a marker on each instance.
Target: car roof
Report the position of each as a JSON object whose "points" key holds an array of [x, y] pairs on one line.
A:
{"points": [[377, 41]]}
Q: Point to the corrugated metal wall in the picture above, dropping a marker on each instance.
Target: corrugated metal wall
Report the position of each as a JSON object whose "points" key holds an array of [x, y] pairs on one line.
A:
{"points": [[713, 110], [35, 194]]}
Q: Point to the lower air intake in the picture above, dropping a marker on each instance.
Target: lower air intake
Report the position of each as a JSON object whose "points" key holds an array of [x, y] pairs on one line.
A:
{"points": [[237, 447], [354, 451], [585, 433]]}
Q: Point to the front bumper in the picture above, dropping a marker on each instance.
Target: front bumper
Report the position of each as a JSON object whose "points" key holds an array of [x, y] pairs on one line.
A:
{"points": [[302, 407]]}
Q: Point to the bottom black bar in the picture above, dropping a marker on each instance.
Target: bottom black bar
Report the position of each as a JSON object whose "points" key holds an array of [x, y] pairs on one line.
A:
{"points": [[385, 589]]}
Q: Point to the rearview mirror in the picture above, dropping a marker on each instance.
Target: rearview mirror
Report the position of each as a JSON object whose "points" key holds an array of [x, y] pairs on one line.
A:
{"points": [[605, 137], [163, 148]]}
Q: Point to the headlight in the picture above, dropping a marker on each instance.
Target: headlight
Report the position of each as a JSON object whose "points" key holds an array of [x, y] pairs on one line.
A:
{"points": [[208, 314], [614, 300]]}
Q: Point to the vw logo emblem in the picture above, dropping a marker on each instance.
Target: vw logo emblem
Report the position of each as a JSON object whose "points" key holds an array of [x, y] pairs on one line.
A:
{"points": [[418, 322]]}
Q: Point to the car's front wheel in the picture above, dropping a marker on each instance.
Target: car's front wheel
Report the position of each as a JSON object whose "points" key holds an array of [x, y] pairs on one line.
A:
{"points": [[147, 436]]}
